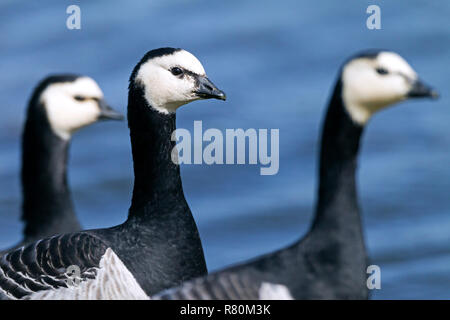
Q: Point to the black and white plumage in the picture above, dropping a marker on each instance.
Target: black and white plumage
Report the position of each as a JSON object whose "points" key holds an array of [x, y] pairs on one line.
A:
{"points": [[59, 106], [158, 247], [330, 261], [42, 271]]}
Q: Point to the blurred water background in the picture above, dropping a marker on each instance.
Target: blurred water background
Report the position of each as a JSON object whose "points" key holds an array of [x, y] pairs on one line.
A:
{"points": [[277, 61]]}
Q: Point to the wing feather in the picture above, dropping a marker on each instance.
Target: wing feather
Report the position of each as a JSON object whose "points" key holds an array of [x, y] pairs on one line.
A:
{"points": [[42, 266]]}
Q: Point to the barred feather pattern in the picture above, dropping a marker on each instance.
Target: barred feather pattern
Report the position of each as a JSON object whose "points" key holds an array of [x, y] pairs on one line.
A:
{"points": [[42, 266], [112, 282]]}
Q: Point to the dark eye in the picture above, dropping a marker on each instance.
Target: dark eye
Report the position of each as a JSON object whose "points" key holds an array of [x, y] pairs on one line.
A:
{"points": [[176, 71], [79, 98], [382, 71]]}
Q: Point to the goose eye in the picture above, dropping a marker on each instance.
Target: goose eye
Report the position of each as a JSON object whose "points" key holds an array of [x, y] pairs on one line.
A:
{"points": [[176, 71], [382, 71], [79, 98]]}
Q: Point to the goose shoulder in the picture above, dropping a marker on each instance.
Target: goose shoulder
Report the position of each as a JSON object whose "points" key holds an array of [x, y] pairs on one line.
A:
{"points": [[113, 281], [41, 269]]}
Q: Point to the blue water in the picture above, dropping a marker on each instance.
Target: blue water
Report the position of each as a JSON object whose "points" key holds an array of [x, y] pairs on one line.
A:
{"points": [[277, 62]]}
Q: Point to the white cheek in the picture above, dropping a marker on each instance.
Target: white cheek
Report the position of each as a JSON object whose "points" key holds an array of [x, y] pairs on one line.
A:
{"points": [[66, 116], [366, 92], [383, 91], [164, 91], [397, 87], [64, 113]]}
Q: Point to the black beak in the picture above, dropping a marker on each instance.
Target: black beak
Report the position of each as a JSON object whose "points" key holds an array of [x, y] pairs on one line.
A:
{"points": [[421, 90], [108, 113], [207, 90]]}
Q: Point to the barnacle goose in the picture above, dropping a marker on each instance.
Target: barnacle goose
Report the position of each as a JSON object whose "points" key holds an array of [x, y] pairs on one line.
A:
{"points": [[59, 106], [330, 261], [158, 246]]}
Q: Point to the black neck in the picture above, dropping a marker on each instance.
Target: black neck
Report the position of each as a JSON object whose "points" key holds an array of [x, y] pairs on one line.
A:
{"points": [[166, 241], [157, 185], [47, 203], [337, 207]]}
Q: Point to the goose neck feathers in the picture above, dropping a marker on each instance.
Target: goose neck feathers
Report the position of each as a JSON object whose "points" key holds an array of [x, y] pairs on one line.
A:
{"points": [[337, 194], [157, 178]]}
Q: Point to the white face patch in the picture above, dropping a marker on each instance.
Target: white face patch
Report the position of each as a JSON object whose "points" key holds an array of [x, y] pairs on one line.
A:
{"points": [[366, 91], [164, 91], [64, 112]]}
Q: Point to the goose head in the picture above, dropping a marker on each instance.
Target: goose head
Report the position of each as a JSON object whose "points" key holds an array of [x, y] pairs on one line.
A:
{"points": [[72, 102], [170, 78], [375, 80]]}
